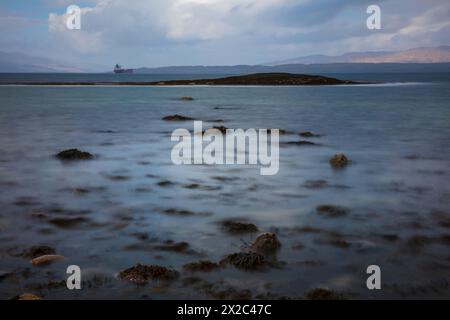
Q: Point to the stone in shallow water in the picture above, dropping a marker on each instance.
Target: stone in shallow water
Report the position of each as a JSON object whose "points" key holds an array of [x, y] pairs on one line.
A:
{"points": [[331, 211], [238, 227], [265, 243], [46, 259], [245, 260], [339, 161], [74, 154], [69, 222], [308, 134], [315, 184], [142, 274], [177, 117], [37, 251], [301, 143]]}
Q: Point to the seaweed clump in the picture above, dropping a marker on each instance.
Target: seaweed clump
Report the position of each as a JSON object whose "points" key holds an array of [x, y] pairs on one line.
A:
{"points": [[245, 260], [142, 274]]}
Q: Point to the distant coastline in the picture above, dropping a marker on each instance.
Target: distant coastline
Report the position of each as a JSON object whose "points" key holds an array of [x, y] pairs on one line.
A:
{"points": [[262, 79]]}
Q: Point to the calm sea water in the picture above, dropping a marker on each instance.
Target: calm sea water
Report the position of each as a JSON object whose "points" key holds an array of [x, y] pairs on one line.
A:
{"points": [[396, 189]]}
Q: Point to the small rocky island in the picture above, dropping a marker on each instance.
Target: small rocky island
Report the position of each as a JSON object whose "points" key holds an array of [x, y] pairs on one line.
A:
{"points": [[261, 79], [257, 79]]}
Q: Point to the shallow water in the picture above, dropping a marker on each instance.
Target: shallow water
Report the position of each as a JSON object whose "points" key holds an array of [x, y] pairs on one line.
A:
{"points": [[396, 189]]}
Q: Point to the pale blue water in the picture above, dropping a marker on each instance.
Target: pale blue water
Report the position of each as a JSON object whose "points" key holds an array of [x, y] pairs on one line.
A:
{"points": [[396, 134]]}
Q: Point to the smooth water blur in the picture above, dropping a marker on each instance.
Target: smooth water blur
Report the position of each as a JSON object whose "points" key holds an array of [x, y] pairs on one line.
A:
{"points": [[396, 189]]}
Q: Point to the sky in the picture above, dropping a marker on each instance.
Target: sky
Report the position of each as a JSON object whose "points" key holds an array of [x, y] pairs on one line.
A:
{"points": [[154, 33]]}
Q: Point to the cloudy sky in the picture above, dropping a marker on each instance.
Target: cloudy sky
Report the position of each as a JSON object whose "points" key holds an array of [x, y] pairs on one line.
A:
{"points": [[215, 32]]}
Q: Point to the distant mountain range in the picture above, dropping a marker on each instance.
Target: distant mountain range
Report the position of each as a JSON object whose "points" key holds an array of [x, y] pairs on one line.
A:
{"points": [[418, 55], [435, 59], [301, 68]]}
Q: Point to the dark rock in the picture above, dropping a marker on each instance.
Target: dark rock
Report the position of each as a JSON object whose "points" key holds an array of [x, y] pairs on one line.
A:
{"points": [[331, 211], [68, 222], [177, 117], [201, 266], [301, 143], [225, 179], [322, 294], [80, 191], [390, 237], [309, 134], [180, 247], [245, 260], [335, 242], [37, 251], [186, 98], [315, 184], [165, 183], [142, 274], [25, 201], [237, 227], [118, 177], [442, 218], [181, 212], [339, 161], [74, 154], [265, 243]]}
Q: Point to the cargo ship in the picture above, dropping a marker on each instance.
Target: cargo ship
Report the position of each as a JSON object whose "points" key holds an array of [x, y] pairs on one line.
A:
{"points": [[118, 69]]}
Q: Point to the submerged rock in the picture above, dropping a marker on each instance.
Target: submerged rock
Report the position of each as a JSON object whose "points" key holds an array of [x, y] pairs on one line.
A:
{"points": [[309, 134], [265, 243], [177, 117], [68, 222], [322, 294], [245, 260], [37, 251], [142, 274], [339, 161], [74, 154], [46, 259], [301, 143], [165, 183], [186, 98], [315, 184], [331, 211], [180, 247], [238, 227], [183, 212], [201, 266]]}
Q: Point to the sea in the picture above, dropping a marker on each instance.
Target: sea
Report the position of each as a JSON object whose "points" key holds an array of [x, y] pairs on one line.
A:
{"points": [[131, 205]]}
